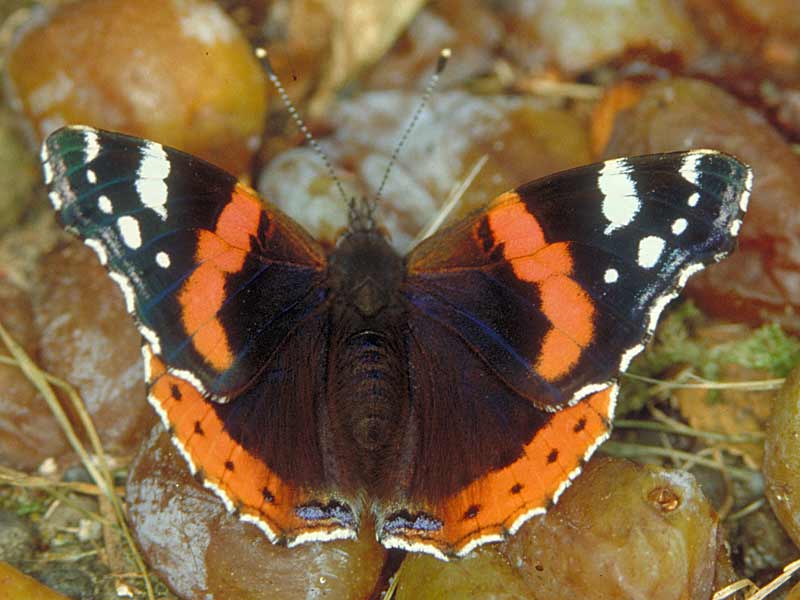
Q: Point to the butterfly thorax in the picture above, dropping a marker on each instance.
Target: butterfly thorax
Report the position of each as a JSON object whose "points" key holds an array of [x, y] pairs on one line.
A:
{"points": [[367, 374], [364, 274]]}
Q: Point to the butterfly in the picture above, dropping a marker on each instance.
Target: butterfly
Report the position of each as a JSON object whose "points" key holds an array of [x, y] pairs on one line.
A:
{"points": [[453, 393]]}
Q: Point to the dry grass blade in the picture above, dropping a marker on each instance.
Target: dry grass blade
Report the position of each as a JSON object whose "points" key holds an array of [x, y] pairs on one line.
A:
{"points": [[560, 89], [678, 428], [763, 385], [392, 589], [628, 450], [754, 506], [99, 472], [24, 480], [453, 198], [788, 572], [729, 590]]}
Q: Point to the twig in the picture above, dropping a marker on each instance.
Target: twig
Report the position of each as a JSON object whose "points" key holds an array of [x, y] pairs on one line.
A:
{"points": [[628, 450], [100, 473], [763, 385], [681, 429]]}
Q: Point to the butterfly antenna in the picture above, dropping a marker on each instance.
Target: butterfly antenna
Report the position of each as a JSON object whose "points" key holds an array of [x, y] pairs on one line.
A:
{"points": [[444, 55], [262, 56]]}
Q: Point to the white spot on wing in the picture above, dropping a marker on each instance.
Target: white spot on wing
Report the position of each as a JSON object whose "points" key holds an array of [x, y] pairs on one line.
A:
{"points": [[654, 314], [735, 226], [650, 249], [688, 272], [92, 144], [47, 169], [129, 230], [153, 169], [127, 290], [162, 259], [611, 276], [620, 201], [322, 536], [629, 355], [586, 391], [44, 153], [404, 544], [151, 337], [56, 200], [690, 167], [147, 356], [153, 194], [98, 248], [744, 199], [190, 378], [91, 177], [261, 524], [679, 226], [104, 204], [693, 199]]}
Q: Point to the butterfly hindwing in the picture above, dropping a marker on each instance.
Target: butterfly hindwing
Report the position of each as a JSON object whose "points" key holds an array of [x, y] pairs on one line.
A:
{"points": [[557, 284], [246, 454], [192, 250], [514, 460]]}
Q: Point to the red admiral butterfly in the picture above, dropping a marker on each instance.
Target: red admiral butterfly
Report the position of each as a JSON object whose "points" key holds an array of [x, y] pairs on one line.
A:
{"points": [[454, 393]]}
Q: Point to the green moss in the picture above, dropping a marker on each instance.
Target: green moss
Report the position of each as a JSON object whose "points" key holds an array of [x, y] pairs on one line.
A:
{"points": [[767, 348]]}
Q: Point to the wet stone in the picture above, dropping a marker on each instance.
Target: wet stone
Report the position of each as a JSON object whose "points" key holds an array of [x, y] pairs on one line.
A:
{"points": [[202, 551], [70, 579], [18, 538]]}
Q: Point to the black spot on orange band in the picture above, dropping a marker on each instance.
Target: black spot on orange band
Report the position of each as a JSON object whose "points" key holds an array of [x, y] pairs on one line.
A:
{"points": [[471, 512], [484, 235]]}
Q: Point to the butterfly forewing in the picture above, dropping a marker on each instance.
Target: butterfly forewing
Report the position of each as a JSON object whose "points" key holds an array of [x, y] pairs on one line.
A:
{"points": [[193, 250], [540, 300], [557, 284]]}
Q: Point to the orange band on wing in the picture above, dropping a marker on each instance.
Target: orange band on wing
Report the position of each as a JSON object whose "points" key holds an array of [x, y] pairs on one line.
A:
{"points": [[553, 259], [513, 226], [500, 502], [241, 478], [571, 313], [218, 253], [240, 218]]}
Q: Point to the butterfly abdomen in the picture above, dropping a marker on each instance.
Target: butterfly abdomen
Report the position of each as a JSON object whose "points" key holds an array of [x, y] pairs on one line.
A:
{"points": [[367, 405], [367, 400]]}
